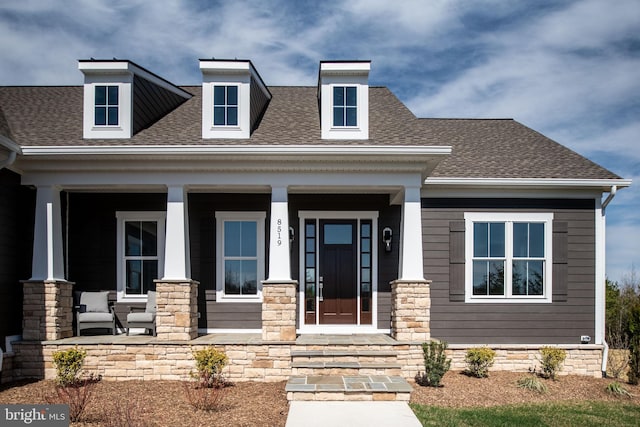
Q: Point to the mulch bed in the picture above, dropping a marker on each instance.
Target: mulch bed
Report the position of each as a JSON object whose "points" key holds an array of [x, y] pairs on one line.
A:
{"points": [[163, 403]]}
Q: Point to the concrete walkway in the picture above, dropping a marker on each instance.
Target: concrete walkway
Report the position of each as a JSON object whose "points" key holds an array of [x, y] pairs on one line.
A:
{"points": [[351, 414]]}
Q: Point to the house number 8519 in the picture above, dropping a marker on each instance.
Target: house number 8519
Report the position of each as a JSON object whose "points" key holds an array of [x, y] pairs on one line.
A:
{"points": [[279, 231]]}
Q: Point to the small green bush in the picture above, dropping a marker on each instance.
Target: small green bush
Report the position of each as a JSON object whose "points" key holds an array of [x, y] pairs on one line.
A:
{"points": [[531, 382], [552, 360], [436, 364], [209, 365], [617, 389], [68, 365], [479, 360]]}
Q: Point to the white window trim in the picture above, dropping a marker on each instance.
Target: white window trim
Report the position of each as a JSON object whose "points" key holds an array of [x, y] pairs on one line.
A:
{"points": [[507, 217], [106, 126], [123, 129], [239, 131], [122, 217], [221, 217], [346, 127], [239, 110]]}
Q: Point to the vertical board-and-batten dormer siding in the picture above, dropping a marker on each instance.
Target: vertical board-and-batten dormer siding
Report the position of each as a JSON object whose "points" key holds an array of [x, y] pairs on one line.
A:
{"points": [[571, 312]]}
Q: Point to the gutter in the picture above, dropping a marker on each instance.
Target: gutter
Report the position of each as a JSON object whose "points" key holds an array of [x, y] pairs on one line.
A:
{"points": [[14, 150], [612, 194]]}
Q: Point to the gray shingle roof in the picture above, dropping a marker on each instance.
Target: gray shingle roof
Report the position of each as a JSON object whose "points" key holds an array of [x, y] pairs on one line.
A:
{"points": [[52, 116]]}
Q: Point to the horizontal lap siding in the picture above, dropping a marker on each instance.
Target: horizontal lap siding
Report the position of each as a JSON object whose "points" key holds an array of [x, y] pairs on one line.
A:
{"points": [[202, 236], [558, 322], [16, 243], [92, 239]]}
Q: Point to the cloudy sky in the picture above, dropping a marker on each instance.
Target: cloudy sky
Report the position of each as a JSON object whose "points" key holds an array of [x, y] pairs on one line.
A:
{"points": [[569, 69]]}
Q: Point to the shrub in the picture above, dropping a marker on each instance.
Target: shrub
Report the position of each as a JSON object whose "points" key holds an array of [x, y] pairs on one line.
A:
{"points": [[68, 365], [207, 391], [617, 389], [478, 361], [531, 382], [209, 365], [436, 364], [552, 360], [128, 413], [71, 389]]}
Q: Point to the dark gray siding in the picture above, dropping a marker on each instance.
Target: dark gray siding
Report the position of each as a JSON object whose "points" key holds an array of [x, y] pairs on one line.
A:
{"points": [[562, 321], [388, 216], [17, 205], [92, 238], [202, 235], [151, 102], [258, 104]]}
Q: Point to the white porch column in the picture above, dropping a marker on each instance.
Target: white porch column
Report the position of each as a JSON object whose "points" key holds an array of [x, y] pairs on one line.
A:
{"points": [[279, 253], [177, 265], [411, 237], [48, 261]]}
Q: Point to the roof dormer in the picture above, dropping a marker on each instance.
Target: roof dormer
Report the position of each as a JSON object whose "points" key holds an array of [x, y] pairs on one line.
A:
{"points": [[343, 90], [234, 98], [121, 98]]}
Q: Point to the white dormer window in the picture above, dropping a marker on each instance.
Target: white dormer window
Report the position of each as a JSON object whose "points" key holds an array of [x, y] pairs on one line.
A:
{"points": [[343, 91], [106, 106], [225, 105], [345, 106]]}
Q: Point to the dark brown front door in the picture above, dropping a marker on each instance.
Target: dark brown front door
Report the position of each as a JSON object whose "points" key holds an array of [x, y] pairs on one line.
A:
{"points": [[338, 272]]}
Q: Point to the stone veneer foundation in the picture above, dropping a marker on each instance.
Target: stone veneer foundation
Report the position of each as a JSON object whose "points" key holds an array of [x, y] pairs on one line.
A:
{"points": [[155, 360]]}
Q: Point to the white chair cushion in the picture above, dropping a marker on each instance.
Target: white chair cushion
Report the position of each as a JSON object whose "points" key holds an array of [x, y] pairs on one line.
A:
{"points": [[95, 302]]}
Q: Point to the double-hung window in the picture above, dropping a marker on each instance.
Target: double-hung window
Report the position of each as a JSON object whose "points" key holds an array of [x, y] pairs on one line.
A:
{"points": [[225, 105], [140, 252], [508, 257], [106, 106], [240, 260], [345, 106]]}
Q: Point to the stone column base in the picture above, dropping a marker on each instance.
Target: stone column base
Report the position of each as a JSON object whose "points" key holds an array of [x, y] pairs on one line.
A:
{"points": [[47, 310], [177, 310], [410, 310], [279, 311]]}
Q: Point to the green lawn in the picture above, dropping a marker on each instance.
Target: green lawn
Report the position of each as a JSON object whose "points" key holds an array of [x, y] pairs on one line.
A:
{"points": [[538, 415]]}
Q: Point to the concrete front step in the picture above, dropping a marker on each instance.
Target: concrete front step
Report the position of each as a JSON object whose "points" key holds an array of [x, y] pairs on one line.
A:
{"points": [[345, 368], [348, 388]]}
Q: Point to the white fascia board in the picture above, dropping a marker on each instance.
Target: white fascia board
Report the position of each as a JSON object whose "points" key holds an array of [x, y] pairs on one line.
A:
{"points": [[224, 67], [100, 67], [345, 67], [559, 183], [353, 150]]}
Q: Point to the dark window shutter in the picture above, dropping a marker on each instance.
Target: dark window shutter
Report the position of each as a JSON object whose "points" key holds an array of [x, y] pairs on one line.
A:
{"points": [[456, 260], [560, 260]]}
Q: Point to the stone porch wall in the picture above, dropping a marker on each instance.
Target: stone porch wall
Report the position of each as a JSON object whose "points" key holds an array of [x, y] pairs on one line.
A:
{"points": [[261, 362], [47, 308], [583, 360]]}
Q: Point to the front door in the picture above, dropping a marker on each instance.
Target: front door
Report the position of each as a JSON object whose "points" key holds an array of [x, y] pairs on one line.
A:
{"points": [[337, 272]]}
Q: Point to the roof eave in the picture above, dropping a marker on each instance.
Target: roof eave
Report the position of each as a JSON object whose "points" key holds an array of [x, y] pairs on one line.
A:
{"points": [[600, 184]]}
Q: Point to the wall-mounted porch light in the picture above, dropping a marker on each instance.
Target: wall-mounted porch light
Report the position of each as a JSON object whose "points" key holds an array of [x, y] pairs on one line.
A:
{"points": [[387, 233]]}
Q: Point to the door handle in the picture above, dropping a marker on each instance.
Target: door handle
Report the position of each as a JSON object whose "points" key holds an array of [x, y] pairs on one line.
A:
{"points": [[320, 287]]}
